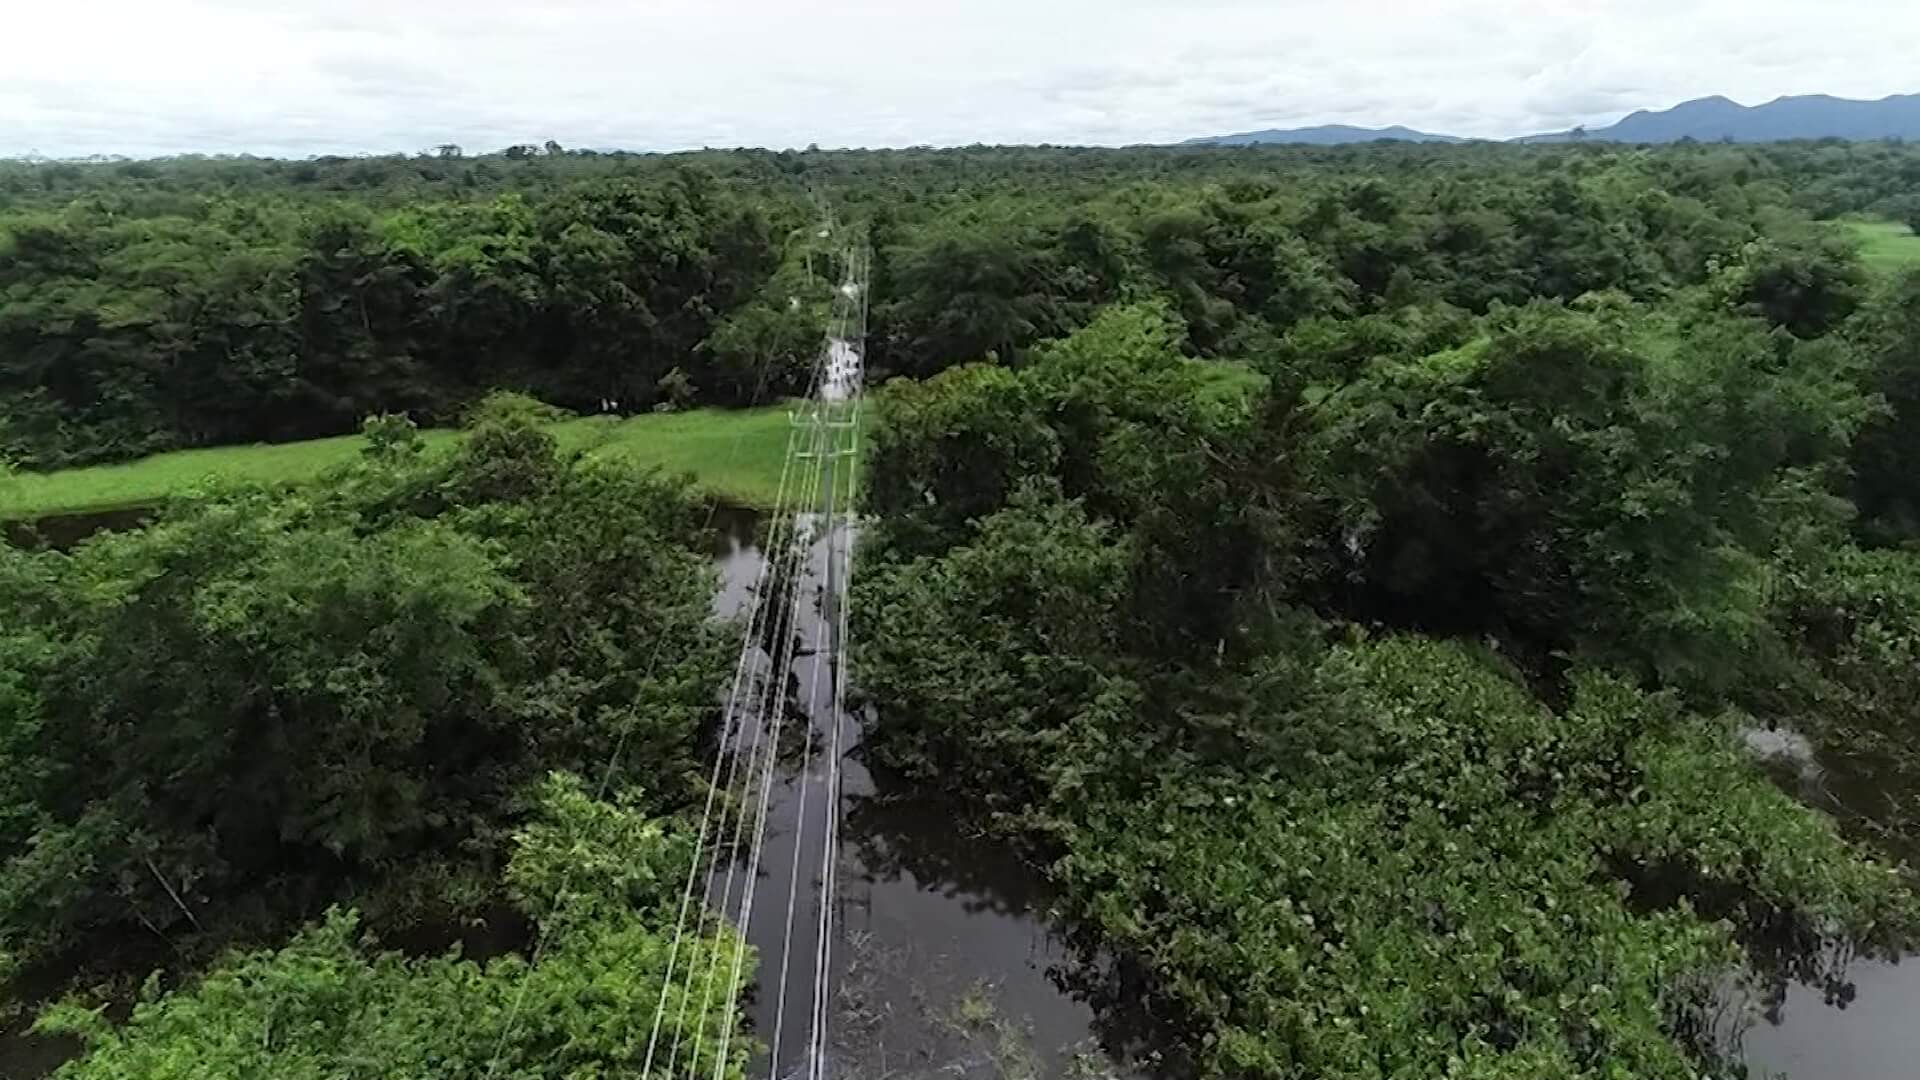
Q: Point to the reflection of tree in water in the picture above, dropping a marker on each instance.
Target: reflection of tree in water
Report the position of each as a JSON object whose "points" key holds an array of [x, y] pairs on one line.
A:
{"points": [[947, 849], [785, 631], [898, 1019], [1784, 954], [1133, 1024], [899, 831], [1783, 948], [735, 531], [1870, 789]]}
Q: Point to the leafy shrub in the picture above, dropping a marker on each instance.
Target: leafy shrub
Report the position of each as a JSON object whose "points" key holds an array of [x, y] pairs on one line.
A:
{"points": [[311, 690], [330, 1003]]}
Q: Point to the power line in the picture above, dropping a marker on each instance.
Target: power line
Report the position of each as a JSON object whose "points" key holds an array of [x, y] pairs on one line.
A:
{"points": [[839, 390], [781, 656], [832, 406], [838, 591], [758, 843], [561, 895], [730, 724]]}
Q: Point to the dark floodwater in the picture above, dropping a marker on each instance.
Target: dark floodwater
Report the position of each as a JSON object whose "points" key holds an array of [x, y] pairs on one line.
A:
{"points": [[945, 961], [1867, 1027], [62, 531]]}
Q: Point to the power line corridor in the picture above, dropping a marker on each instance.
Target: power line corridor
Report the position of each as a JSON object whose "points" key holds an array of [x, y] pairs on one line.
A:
{"points": [[768, 849]]}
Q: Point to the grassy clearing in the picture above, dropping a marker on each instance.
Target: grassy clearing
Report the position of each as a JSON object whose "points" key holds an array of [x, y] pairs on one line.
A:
{"points": [[1886, 245], [736, 454]]}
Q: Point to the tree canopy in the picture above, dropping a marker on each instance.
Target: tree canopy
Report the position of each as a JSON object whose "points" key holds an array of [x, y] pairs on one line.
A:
{"points": [[1388, 709], [1353, 572]]}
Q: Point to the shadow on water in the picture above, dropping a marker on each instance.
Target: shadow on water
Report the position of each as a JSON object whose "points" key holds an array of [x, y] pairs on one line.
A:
{"points": [[63, 531], [947, 955], [1824, 1010], [956, 924], [26, 1056]]}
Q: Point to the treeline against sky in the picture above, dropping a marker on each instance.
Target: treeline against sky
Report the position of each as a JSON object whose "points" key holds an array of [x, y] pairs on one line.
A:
{"points": [[152, 305]]}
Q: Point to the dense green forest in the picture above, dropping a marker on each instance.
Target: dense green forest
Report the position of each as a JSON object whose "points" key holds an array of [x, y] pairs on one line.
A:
{"points": [[1348, 571], [147, 306], [394, 692]]}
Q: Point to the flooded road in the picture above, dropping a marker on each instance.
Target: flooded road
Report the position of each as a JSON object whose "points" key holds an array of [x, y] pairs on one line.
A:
{"points": [[944, 959]]}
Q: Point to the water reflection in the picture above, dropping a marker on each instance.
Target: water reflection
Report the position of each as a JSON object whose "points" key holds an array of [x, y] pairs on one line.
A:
{"points": [[1870, 1030], [1823, 1012], [902, 835]]}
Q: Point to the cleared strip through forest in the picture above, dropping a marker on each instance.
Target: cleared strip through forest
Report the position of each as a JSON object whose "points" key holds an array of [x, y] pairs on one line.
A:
{"points": [[814, 551]]}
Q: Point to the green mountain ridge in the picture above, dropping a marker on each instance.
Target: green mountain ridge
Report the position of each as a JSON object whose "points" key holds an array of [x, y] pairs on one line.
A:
{"points": [[1707, 119]]}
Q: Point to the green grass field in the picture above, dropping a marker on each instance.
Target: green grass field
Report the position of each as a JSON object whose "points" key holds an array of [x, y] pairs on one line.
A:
{"points": [[1886, 245], [735, 454]]}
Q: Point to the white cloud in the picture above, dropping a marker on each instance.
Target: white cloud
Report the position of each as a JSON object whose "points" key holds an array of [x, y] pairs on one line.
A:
{"points": [[315, 76]]}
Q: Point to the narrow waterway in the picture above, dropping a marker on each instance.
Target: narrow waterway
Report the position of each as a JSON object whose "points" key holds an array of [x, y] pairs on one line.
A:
{"points": [[944, 957]]}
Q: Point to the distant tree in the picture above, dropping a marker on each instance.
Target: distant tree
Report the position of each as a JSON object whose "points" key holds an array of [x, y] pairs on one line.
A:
{"points": [[675, 391], [1481, 490], [554, 149], [1886, 457], [762, 351], [1806, 287], [391, 437]]}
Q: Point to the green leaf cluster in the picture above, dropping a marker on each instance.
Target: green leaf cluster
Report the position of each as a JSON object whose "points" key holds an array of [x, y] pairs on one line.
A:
{"points": [[331, 1003], [220, 723]]}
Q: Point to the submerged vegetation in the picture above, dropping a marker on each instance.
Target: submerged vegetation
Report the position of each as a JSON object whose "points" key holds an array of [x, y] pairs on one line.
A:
{"points": [[1349, 571]]}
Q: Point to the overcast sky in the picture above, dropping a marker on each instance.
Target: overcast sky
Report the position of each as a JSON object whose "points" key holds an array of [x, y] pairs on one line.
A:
{"points": [[300, 77]]}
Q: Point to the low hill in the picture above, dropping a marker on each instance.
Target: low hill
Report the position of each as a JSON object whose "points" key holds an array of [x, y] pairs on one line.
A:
{"points": [[1809, 116], [1323, 135], [1708, 119]]}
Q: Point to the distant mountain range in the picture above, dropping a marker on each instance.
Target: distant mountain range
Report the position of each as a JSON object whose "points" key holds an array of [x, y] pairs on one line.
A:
{"points": [[1324, 135], [1709, 119]]}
